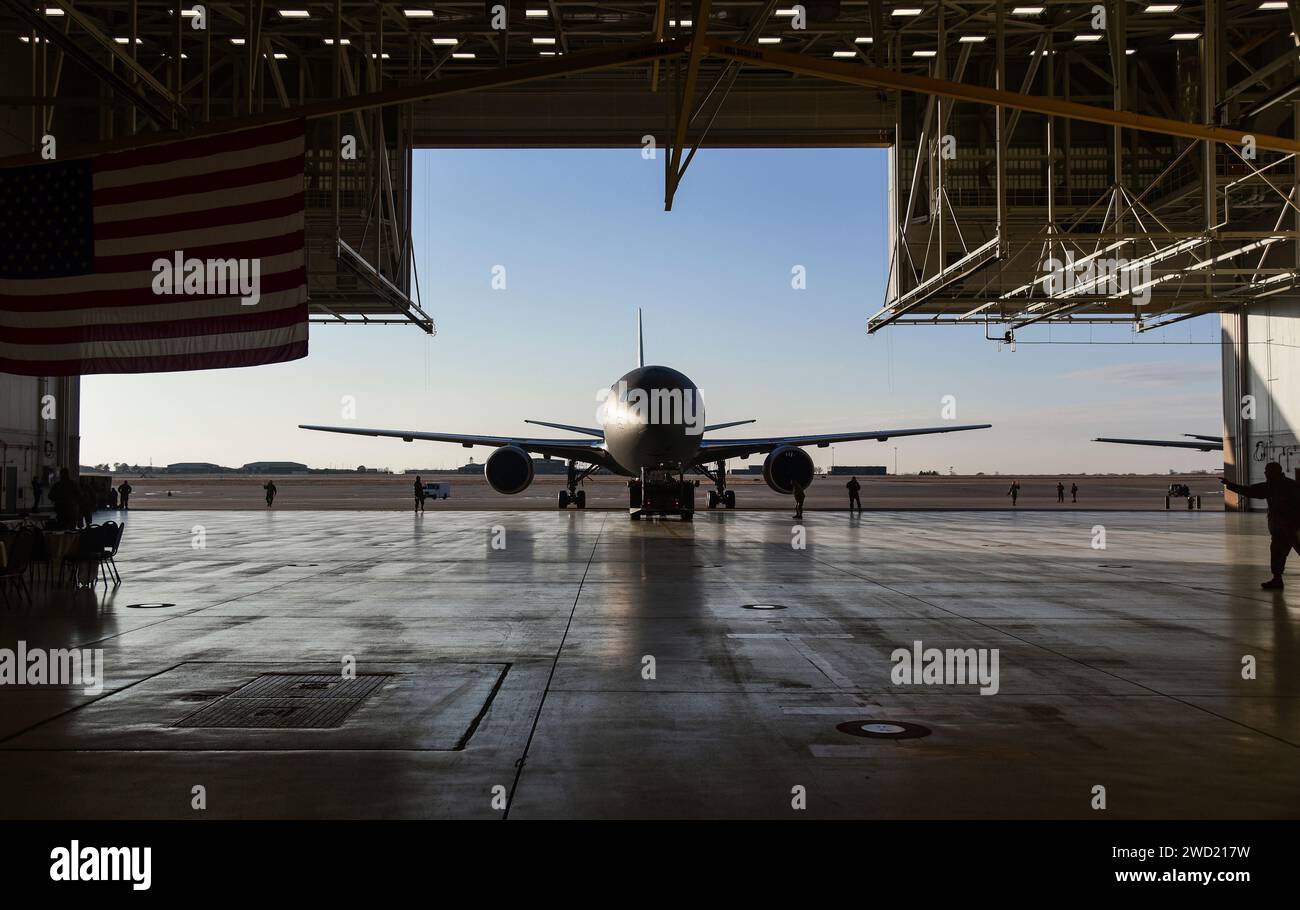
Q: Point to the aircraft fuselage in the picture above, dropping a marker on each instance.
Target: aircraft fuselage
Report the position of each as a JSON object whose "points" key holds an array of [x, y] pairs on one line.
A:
{"points": [[653, 418]]}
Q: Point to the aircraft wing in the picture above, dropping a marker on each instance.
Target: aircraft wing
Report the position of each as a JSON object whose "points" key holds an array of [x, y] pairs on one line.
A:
{"points": [[590, 451], [1205, 445], [722, 449]]}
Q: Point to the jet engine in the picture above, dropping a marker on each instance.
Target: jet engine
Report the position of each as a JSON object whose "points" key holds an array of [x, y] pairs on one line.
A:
{"points": [[509, 470], [785, 466]]}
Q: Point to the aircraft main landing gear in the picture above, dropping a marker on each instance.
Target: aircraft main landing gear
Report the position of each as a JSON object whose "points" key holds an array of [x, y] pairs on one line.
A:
{"points": [[572, 494], [720, 496]]}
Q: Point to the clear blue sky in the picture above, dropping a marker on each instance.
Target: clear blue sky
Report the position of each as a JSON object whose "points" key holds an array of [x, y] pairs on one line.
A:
{"points": [[585, 241]]}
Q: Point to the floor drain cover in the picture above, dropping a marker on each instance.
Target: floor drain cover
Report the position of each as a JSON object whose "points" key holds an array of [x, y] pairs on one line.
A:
{"points": [[763, 606], [288, 700], [883, 729], [155, 606], [310, 686]]}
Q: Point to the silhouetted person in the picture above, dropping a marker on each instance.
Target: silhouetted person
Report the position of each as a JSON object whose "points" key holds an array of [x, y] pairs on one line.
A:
{"points": [[1074, 492], [86, 503], [38, 487], [269, 486], [1283, 495], [798, 500], [125, 492], [419, 495], [1060, 492], [855, 489], [112, 497], [1014, 492], [66, 499]]}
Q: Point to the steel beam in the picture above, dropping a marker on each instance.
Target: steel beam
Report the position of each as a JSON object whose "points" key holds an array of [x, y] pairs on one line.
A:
{"points": [[550, 68], [873, 77]]}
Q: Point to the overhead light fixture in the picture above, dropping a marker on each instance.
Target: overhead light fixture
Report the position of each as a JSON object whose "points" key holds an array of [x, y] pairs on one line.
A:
{"points": [[445, 42], [1028, 10], [238, 42], [536, 13], [785, 13], [186, 13], [1129, 51], [543, 41], [1184, 36], [1162, 8], [546, 53], [341, 41], [1273, 4], [294, 14], [26, 39], [128, 40], [972, 39], [464, 56], [418, 13], [685, 23], [1088, 36], [769, 40], [383, 56], [278, 55], [844, 54], [53, 11], [864, 40], [924, 53], [906, 11]]}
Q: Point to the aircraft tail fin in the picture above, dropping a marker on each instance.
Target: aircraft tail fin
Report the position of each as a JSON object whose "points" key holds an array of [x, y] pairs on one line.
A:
{"points": [[640, 343]]}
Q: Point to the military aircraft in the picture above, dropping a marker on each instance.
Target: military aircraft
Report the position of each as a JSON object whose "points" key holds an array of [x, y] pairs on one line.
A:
{"points": [[651, 429]]}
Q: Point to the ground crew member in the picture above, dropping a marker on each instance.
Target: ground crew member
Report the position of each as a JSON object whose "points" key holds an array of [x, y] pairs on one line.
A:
{"points": [[1283, 495]]}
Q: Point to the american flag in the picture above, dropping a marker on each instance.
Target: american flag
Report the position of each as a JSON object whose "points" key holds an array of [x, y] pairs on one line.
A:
{"points": [[79, 241]]}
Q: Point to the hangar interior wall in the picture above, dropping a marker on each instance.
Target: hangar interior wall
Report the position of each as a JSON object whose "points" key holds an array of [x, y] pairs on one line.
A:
{"points": [[1261, 359]]}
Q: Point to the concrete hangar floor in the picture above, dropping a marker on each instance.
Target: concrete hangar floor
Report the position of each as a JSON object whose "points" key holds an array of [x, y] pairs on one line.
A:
{"points": [[626, 664]]}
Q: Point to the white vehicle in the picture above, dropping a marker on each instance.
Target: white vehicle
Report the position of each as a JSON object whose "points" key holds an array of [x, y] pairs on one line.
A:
{"points": [[440, 490]]}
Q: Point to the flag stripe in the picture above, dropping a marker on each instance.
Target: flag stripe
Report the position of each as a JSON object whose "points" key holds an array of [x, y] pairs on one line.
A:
{"points": [[248, 321], [200, 201], [210, 163], [127, 288], [170, 346], [250, 249], [165, 310], [167, 363], [219, 216], [219, 180], [200, 147], [183, 239]]}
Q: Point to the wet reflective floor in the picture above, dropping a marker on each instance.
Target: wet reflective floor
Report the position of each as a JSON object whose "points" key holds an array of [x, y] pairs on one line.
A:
{"points": [[535, 664]]}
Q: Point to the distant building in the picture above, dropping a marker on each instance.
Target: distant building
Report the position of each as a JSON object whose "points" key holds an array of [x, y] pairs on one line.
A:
{"points": [[274, 467], [196, 467], [863, 470]]}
